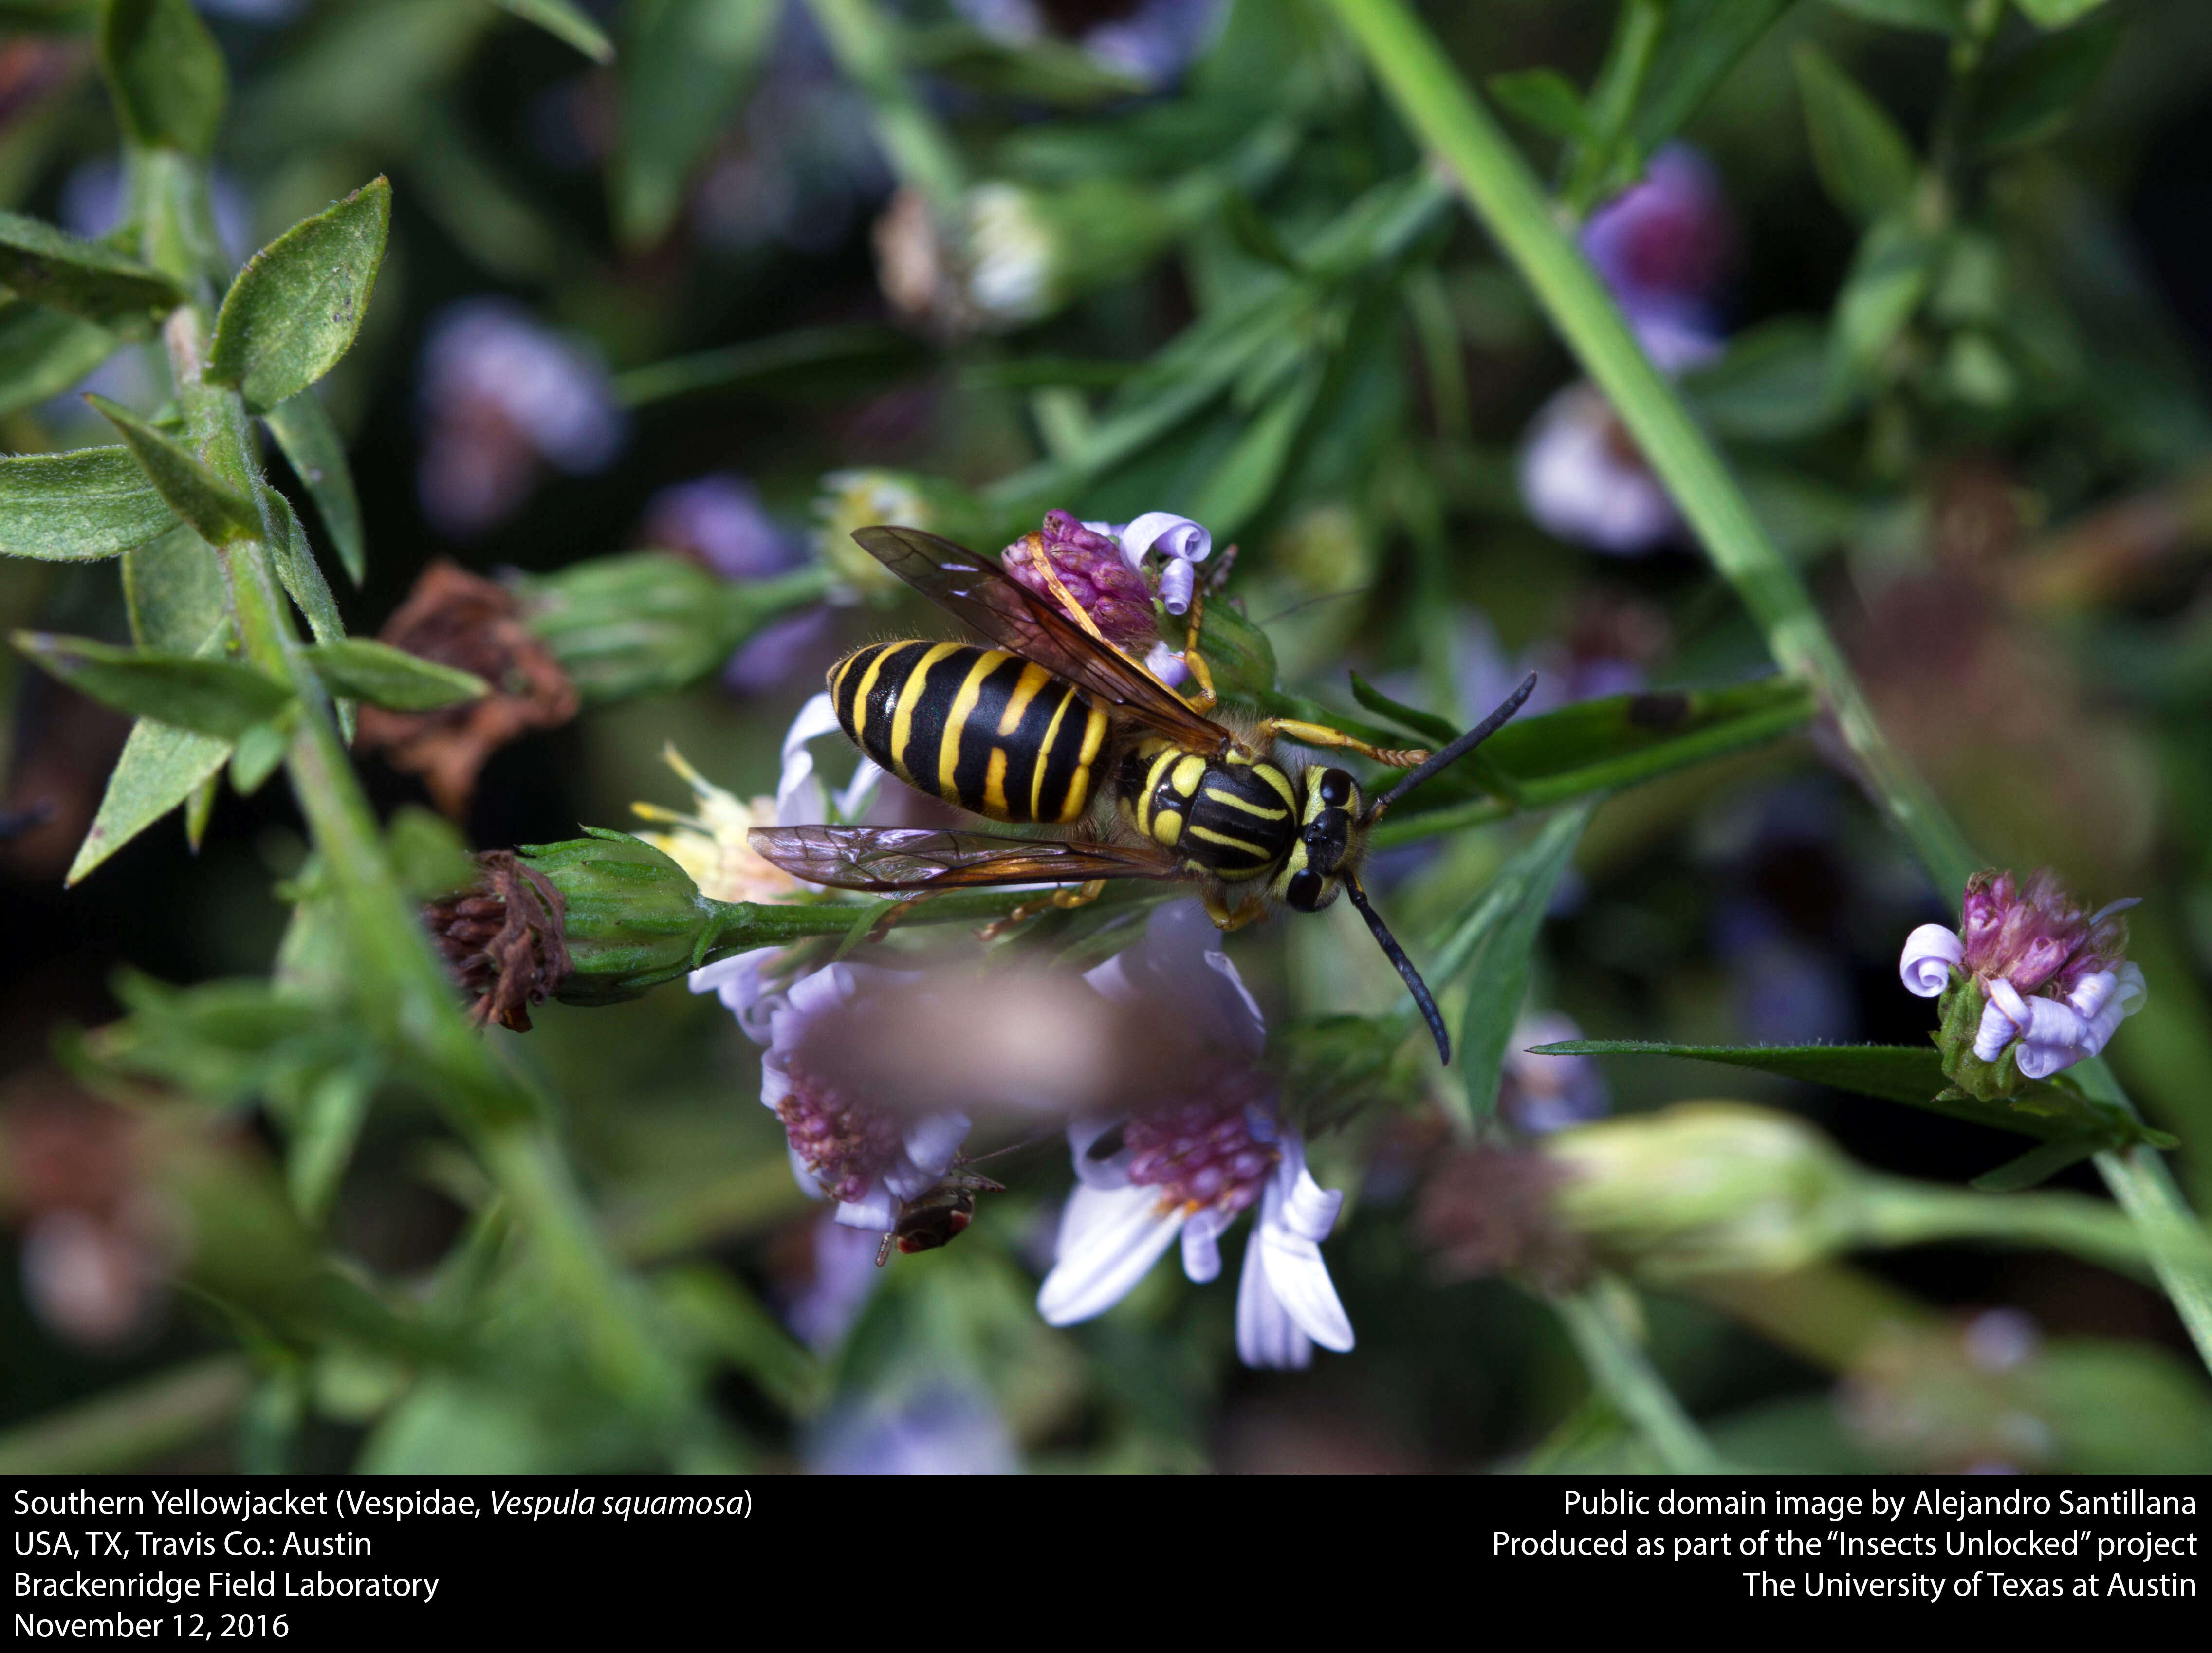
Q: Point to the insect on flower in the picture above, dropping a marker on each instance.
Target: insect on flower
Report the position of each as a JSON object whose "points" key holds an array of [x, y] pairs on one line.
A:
{"points": [[1056, 726], [933, 1218]]}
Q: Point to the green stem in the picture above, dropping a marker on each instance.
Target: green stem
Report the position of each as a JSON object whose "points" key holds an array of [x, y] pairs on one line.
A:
{"points": [[1619, 1367], [1612, 100], [405, 990], [866, 48], [127, 1427], [1511, 206], [1899, 1212]]}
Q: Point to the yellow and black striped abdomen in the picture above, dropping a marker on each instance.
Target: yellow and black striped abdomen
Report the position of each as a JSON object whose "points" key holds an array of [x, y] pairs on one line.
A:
{"points": [[980, 728]]}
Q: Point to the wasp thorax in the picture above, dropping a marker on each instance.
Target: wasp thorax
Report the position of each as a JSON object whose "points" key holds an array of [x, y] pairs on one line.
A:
{"points": [[1216, 1152], [846, 1145]]}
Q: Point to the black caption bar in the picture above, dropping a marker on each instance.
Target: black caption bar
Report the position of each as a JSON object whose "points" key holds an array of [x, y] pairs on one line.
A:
{"points": [[204, 1558]]}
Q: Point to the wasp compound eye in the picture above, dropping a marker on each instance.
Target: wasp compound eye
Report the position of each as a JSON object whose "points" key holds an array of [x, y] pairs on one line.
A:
{"points": [[1336, 788], [1304, 891]]}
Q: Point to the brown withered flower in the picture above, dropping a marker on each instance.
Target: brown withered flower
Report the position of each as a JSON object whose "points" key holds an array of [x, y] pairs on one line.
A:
{"points": [[503, 938], [1487, 1210], [456, 619]]}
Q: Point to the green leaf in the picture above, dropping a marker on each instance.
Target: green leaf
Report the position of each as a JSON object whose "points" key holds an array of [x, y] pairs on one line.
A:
{"points": [[82, 279], [1701, 42], [1246, 476], [2038, 1165], [311, 444], [1547, 100], [165, 73], [362, 669], [214, 697], [2032, 93], [686, 71], [294, 309], [1496, 941], [2056, 14], [1777, 383], [76, 507], [302, 575], [160, 766], [1865, 162], [1891, 275], [218, 512], [1911, 1074], [43, 352], [1940, 16], [1427, 725], [172, 586], [257, 755], [564, 20]]}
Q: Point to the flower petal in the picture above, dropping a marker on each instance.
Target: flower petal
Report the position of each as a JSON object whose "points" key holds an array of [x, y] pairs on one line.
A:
{"points": [[1267, 1336], [1109, 1241], [932, 1141], [1309, 1209], [1099, 1170], [740, 981], [877, 1210], [1929, 953], [1177, 582], [1172, 536], [1167, 666], [1299, 1278], [798, 796], [1201, 1246], [799, 1174], [2003, 1018]]}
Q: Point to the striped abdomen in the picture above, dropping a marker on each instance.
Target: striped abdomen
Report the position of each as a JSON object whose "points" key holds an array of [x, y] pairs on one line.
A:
{"points": [[978, 727]]}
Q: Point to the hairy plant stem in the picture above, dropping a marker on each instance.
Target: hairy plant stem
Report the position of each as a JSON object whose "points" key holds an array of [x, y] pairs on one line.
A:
{"points": [[1505, 197], [404, 990]]}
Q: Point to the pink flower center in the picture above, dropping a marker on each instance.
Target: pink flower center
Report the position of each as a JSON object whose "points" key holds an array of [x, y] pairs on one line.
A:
{"points": [[846, 1145], [1219, 1151]]}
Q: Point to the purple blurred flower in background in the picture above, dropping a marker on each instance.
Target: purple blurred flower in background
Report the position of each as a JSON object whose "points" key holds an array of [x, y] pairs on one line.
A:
{"points": [[821, 1304], [1187, 1167], [719, 521], [1150, 41], [1665, 247], [267, 13], [1607, 644], [501, 398], [939, 1429], [1543, 1094]]}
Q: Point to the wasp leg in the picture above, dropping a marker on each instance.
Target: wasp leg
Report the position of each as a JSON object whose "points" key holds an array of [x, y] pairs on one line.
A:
{"points": [[893, 915], [1194, 662], [1066, 900], [1226, 918], [1318, 734]]}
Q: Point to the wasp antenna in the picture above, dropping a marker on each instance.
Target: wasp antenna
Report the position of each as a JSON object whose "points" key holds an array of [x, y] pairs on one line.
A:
{"points": [[1452, 754], [1396, 955]]}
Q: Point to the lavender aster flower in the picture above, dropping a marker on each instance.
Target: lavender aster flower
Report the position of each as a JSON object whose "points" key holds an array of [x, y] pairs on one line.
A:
{"points": [[719, 521], [1101, 570], [2050, 981], [1185, 1168], [503, 397], [941, 1428], [1150, 41]]}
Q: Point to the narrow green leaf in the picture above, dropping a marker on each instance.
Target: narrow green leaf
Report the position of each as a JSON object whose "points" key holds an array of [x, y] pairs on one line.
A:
{"points": [[1938, 16], [172, 586], [687, 68], [259, 751], [214, 697], [2038, 1164], [82, 279], [1865, 162], [43, 352], [77, 506], [161, 767], [1776, 384], [1547, 100], [165, 73], [1906, 1073], [1427, 725], [218, 512], [1890, 276], [1702, 41], [1503, 928], [311, 444], [1248, 473], [363, 669], [302, 575], [2056, 14], [297, 305], [2034, 91], [564, 20]]}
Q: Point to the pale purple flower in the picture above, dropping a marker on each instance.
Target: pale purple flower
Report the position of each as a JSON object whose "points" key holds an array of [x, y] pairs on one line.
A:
{"points": [[719, 520], [503, 397], [1150, 41], [940, 1429], [1183, 1167], [2054, 977], [821, 1309], [744, 980], [1543, 1094], [1665, 245]]}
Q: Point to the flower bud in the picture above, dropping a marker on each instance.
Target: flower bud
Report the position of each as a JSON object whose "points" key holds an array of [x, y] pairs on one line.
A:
{"points": [[652, 622], [1706, 1187], [592, 920]]}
